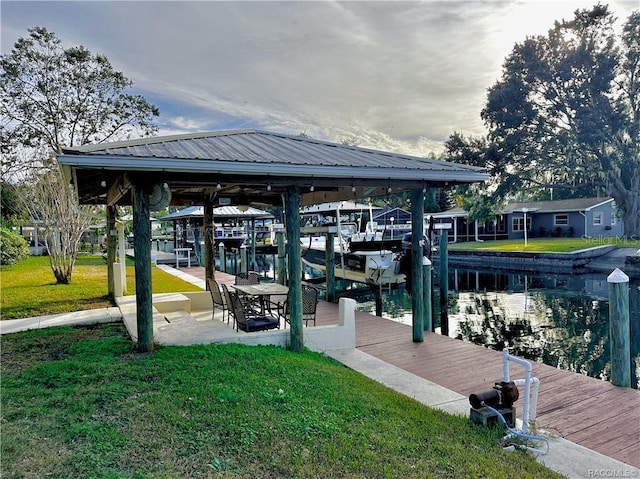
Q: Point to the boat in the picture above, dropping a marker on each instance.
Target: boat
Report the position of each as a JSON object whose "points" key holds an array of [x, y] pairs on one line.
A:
{"points": [[375, 238], [359, 261]]}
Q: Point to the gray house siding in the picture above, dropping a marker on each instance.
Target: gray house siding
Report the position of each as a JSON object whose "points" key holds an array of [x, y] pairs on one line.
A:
{"points": [[598, 220], [581, 217], [603, 221]]}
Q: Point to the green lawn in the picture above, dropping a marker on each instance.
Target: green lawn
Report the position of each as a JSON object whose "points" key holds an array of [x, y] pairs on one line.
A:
{"points": [[29, 288], [80, 402], [534, 245]]}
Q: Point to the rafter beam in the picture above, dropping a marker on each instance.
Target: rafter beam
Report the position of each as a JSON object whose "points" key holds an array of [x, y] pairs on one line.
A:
{"points": [[118, 189]]}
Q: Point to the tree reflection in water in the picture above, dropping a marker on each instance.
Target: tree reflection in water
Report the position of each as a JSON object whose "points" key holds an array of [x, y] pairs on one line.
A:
{"points": [[559, 320]]}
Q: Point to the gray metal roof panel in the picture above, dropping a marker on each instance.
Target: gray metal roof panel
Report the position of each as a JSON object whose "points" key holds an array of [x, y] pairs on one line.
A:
{"points": [[252, 146], [220, 212]]}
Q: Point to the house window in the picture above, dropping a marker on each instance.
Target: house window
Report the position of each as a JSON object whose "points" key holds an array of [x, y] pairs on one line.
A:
{"points": [[517, 224], [560, 220], [597, 218], [614, 219]]}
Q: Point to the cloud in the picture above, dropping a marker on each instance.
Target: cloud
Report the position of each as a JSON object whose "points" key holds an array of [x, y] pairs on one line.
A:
{"points": [[392, 75]]}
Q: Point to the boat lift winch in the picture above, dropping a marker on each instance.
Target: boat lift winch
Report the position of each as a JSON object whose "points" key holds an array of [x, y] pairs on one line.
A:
{"points": [[496, 405]]}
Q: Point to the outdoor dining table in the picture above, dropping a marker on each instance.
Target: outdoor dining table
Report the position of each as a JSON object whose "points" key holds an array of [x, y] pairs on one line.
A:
{"points": [[262, 291]]}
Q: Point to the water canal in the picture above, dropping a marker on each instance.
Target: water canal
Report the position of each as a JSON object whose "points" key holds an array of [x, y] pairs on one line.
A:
{"points": [[559, 320]]}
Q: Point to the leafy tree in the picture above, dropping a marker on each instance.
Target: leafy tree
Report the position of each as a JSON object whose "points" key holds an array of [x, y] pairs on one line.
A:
{"points": [[54, 97], [566, 115]]}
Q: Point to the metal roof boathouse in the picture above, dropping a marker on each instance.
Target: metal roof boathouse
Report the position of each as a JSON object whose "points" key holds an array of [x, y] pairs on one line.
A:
{"points": [[248, 167]]}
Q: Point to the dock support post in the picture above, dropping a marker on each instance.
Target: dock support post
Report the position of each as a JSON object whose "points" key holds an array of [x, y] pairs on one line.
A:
{"points": [[122, 258], [209, 252], [223, 258], [330, 262], [426, 278], [417, 248], [292, 217], [444, 282], [244, 259], [282, 255], [253, 245], [619, 328], [112, 240], [377, 291], [142, 252]]}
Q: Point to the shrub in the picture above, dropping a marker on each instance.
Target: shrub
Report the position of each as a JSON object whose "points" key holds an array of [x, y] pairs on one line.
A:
{"points": [[13, 247]]}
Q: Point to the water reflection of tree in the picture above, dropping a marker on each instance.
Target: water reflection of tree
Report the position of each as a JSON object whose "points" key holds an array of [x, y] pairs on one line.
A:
{"points": [[569, 332], [492, 329], [577, 336]]}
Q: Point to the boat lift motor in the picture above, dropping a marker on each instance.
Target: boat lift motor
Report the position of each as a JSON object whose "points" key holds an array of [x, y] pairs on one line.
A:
{"points": [[500, 398], [496, 405]]}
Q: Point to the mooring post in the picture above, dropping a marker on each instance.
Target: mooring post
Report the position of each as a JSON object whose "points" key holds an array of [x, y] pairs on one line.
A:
{"points": [[209, 251], [282, 265], [417, 249], [223, 258], [244, 261], [377, 292], [619, 328], [253, 245], [444, 281], [330, 262], [426, 278]]}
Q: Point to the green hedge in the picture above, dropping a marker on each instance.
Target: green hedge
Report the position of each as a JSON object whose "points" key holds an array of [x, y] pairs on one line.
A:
{"points": [[13, 247]]}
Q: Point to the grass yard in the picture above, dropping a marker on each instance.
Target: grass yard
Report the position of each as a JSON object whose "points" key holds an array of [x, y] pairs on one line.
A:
{"points": [[534, 245], [80, 402], [29, 288]]}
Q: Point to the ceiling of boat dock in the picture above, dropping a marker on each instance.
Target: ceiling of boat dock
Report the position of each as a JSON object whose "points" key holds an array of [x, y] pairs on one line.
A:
{"points": [[250, 167]]}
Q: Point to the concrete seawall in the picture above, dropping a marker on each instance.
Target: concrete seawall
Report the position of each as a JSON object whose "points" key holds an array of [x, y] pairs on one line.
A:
{"points": [[531, 261]]}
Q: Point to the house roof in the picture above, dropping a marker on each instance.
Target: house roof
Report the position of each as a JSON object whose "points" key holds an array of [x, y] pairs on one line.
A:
{"points": [[332, 207], [556, 206], [221, 212], [391, 212], [251, 163]]}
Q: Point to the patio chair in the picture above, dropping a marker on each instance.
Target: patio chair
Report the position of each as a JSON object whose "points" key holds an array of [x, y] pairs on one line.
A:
{"points": [[218, 299], [309, 306], [248, 278], [248, 320]]}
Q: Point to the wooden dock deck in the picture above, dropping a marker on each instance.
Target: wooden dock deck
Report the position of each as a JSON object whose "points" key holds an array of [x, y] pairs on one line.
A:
{"points": [[583, 410]]}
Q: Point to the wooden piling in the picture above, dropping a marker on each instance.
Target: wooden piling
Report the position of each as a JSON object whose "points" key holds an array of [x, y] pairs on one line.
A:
{"points": [[223, 258], [444, 282], [281, 276], [292, 215], [426, 279], [330, 262], [209, 252], [417, 248], [142, 248], [619, 328], [244, 260], [112, 240]]}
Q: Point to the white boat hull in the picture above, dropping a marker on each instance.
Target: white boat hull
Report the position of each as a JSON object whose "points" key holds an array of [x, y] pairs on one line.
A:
{"points": [[370, 267]]}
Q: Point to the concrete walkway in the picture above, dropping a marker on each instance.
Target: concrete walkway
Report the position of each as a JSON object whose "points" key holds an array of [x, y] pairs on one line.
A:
{"points": [[565, 457], [569, 459], [76, 318]]}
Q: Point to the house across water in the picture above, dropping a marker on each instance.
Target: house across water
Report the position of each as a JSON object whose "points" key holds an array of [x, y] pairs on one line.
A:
{"points": [[580, 217]]}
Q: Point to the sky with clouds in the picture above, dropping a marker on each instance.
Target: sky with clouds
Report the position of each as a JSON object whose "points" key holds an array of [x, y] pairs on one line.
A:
{"points": [[398, 76]]}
